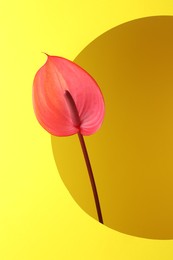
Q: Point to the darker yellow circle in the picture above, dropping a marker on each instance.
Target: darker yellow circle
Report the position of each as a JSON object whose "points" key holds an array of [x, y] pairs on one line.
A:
{"points": [[132, 154]]}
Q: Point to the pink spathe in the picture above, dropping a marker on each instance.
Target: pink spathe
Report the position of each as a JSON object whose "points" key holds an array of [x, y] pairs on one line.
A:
{"points": [[55, 82]]}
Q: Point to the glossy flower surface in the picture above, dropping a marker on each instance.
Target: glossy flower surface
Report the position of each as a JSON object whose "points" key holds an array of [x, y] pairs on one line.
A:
{"points": [[66, 99]]}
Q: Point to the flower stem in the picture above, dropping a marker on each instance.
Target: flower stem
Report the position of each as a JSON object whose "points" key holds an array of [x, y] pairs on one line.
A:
{"points": [[76, 121], [91, 176]]}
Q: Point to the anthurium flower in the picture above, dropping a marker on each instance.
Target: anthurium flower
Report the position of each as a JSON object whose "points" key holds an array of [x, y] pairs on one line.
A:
{"points": [[66, 99]]}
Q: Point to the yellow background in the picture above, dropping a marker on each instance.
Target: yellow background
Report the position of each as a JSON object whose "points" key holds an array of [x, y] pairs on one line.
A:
{"points": [[38, 217]]}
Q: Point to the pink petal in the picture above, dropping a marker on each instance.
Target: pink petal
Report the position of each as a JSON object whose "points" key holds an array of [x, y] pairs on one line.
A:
{"points": [[57, 77]]}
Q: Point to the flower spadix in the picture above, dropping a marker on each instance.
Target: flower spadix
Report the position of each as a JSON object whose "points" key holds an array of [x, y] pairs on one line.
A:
{"points": [[66, 99]]}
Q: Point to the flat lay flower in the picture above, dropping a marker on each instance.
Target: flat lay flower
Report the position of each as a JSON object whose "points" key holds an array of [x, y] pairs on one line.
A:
{"points": [[55, 83], [67, 101]]}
